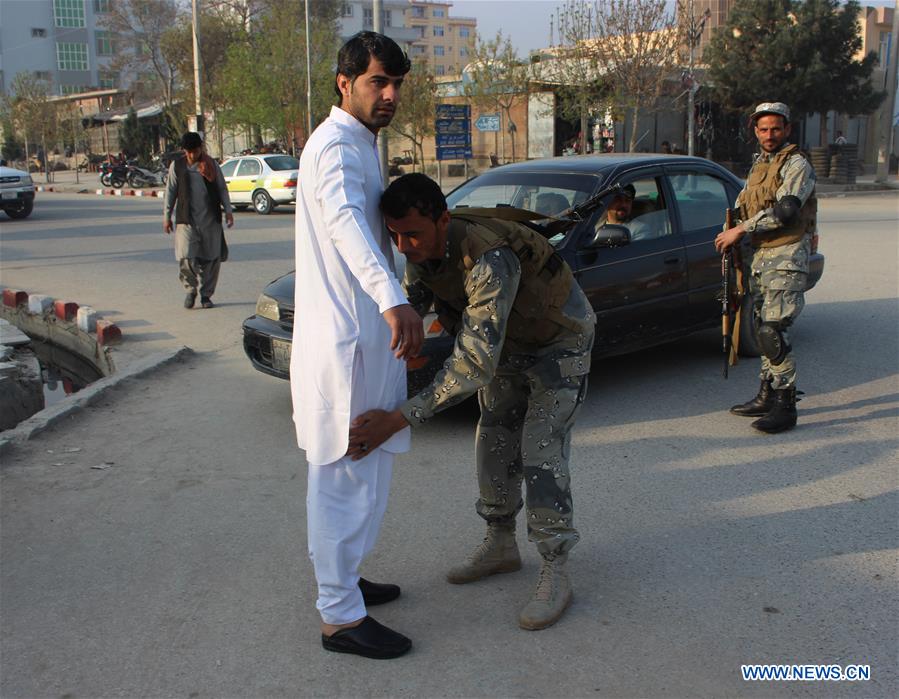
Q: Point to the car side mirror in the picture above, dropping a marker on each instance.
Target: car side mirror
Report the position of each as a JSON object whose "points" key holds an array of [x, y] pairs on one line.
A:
{"points": [[610, 235]]}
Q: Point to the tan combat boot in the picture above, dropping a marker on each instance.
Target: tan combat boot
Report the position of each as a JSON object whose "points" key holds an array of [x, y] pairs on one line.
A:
{"points": [[497, 553], [551, 598]]}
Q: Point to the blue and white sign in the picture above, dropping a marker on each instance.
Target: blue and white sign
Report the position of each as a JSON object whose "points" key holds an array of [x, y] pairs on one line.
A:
{"points": [[453, 111], [487, 122], [452, 133], [453, 153]]}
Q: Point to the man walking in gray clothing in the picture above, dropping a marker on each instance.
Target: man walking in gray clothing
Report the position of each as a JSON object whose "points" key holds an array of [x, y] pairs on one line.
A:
{"points": [[196, 193]]}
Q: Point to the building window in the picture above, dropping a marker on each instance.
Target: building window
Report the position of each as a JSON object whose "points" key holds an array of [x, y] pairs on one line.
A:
{"points": [[73, 89], [108, 79], [346, 10], [421, 30], [38, 32], [438, 30], [438, 12], [42, 75], [463, 52], [439, 70], [368, 17], [101, 7], [69, 13], [418, 11], [465, 32], [883, 50], [105, 46], [438, 50], [71, 56], [419, 50]]}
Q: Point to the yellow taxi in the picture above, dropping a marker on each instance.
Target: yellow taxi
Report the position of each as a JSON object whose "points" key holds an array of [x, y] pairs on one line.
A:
{"points": [[261, 181]]}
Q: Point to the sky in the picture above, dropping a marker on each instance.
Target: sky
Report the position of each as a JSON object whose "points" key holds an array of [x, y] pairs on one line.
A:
{"points": [[525, 22]]}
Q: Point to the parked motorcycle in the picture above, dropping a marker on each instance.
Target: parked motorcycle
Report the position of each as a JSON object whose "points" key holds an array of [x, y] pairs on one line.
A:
{"points": [[144, 177], [113, 174]]}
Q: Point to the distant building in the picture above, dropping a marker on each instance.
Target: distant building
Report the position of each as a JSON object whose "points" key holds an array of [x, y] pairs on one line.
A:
{"points": [[58, 41], [358, 15], [446, 42]]}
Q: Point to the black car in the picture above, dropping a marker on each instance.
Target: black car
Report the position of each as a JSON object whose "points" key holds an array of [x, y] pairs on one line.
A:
{"points": [[658, 286]]}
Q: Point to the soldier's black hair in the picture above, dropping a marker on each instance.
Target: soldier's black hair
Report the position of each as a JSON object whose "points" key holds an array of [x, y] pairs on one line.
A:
{"points": [[355, 55], [414, 190]]}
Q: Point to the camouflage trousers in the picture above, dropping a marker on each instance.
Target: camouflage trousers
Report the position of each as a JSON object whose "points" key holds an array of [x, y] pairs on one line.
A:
{"points": [[777, 284], [524, 434]]}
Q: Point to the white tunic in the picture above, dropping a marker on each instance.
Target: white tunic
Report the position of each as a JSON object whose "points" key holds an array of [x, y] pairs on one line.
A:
{"points": [[345, 280]]}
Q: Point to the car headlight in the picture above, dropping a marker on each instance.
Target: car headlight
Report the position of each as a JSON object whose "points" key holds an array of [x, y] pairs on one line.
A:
{"points": [[27, 180], [267, 307]]}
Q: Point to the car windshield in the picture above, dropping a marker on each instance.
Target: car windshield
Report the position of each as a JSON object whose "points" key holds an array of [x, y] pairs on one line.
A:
{"points": [[282, 162], [548, 193]]}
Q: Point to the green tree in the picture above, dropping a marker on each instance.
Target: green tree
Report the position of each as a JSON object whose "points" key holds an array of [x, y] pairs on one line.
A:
{"points": [[134, 139], [264, 77], [638, 43], [573, 65], [144, 47], [801, 53], [496, 79], [32, 114], [415, 117]]}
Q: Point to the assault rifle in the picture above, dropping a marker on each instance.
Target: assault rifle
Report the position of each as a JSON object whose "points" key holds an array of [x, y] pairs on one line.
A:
{"points": [[731, 298]]}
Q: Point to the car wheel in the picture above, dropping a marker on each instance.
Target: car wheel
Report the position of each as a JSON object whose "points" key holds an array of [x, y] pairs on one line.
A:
{"points": [[239, 207], [27, 207], [262, 202], [749, 344]]}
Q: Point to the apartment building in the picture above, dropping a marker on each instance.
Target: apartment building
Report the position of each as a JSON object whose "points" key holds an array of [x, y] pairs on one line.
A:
{"points": [[446, 42], [358, 15], [58, 41]]}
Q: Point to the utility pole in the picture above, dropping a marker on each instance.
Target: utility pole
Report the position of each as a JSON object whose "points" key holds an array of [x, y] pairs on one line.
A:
{"points": [[195, 26], [308, 79], [884, 148], [694, 34], [377, 25]]}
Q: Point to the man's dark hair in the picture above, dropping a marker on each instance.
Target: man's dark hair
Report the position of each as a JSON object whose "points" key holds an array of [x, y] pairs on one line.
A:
{"points": [[191, 140], [413, 191], [355, 55]]}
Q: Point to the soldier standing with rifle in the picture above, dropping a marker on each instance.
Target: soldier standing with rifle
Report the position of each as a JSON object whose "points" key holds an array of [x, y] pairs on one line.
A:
{"points": [[778, 209]]}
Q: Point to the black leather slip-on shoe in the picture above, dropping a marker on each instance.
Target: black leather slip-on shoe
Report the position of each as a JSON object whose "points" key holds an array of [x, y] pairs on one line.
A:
{"points": [[370, 640]]}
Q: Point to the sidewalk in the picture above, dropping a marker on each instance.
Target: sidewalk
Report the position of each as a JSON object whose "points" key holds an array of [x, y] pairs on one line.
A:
{"points": [[90, 182]]}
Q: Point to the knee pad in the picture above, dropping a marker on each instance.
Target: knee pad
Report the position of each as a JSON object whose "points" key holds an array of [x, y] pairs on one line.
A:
{"points": [[773, 343]]}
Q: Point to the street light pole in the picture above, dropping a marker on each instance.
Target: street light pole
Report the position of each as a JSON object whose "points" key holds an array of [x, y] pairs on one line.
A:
{"points": [[695, 33], [195, 26], [377, 25], [884, 149], [308, 79]]}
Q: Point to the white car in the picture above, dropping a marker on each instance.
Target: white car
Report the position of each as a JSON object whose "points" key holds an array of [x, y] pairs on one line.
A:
{"points": [[263, 181], [16, 192]]}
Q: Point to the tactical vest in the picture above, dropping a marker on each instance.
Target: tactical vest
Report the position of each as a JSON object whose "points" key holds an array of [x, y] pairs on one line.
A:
{"points": [[546, 280], [761, 193], [182, 206]]}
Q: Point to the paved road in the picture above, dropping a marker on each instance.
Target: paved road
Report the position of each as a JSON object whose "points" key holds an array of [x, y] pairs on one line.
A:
{"points": [[180, 569]]}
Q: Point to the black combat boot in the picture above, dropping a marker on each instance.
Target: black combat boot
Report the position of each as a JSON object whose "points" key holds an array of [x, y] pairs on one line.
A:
{"points": [[760, 405], [782, 416]]}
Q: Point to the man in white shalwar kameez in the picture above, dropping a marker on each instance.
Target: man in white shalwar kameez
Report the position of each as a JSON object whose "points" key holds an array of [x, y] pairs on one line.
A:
{"points": [[353, 327]]}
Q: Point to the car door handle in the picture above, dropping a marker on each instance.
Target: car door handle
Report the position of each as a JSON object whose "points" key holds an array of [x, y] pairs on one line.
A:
{"points": [[671, 260]]}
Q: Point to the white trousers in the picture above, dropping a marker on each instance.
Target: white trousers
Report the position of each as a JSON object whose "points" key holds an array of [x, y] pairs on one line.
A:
{"points": [[345, 503]]}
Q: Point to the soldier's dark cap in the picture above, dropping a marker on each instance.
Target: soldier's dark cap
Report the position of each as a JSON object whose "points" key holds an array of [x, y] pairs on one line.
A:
{"points": [[778, 108]]}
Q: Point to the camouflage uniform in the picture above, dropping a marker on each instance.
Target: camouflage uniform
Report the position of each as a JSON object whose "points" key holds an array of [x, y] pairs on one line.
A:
{"points": [[779, 272], [529, 391]]}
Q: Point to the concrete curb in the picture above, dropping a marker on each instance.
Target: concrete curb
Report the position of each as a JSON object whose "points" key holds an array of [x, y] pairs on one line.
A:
{"points": [[48, 417]]}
